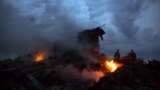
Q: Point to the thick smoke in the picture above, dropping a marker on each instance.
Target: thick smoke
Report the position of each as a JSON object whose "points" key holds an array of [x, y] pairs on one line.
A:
{"points": [[71, 73], [29, 24]]}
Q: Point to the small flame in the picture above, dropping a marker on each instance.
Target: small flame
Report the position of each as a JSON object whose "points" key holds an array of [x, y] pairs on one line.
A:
{"points": [[40, 56], [112, 66]]}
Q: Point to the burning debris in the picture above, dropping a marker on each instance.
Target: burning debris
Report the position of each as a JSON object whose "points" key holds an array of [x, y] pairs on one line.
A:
{"points": [[40, 56], [80, 68], [112, 66], [138, 76], [89, 40]]}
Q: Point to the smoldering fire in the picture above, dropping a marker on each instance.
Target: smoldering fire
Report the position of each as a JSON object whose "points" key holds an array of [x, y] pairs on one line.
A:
{"points": [[87, 73], [88, 44]]}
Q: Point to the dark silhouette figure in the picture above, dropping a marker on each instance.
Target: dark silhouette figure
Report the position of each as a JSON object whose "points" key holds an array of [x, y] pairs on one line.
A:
{"points": [[117, 55], [133, 55]]}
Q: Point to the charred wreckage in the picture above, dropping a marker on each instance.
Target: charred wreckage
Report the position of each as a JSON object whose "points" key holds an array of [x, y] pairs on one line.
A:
{"points": [[83, 68]]}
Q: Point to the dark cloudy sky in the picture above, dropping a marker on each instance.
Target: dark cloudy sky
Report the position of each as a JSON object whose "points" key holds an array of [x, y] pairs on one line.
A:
{"points": [[129, 24]]}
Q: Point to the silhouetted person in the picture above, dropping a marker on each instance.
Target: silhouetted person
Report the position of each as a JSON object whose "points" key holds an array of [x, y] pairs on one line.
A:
{"points": [[132, 54], [117, 55]]}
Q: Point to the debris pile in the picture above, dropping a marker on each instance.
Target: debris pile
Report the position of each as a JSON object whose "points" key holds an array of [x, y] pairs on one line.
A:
{"points": [[81, 68], [137, 76]]}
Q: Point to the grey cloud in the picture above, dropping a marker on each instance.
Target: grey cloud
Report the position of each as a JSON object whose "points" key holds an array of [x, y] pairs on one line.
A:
{"points": [[26, 24], [125, 14], [22, 33]]}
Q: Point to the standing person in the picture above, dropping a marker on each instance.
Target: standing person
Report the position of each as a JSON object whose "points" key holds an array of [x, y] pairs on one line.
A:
{"points": [[117, 55], [133, 54]]}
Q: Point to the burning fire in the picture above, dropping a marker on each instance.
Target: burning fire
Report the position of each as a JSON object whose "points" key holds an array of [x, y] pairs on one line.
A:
{"points": [[112, 66], [40, 56]]}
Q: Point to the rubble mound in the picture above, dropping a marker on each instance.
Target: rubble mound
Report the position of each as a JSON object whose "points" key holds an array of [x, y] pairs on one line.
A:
{"points": [[138, 76]]}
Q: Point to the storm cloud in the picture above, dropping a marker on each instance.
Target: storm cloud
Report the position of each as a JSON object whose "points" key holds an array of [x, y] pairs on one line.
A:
{"points": [[129, 24]]}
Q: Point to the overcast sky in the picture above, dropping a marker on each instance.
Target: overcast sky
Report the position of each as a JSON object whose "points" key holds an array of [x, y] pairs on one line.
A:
{"points": [[129, 24]]}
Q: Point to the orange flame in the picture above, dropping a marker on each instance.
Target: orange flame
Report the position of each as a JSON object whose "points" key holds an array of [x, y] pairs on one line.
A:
{"points": [[112, 66], [40, 56]]}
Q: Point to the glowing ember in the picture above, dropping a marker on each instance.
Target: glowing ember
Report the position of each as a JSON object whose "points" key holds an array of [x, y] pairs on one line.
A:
{"points": [[40, 57], [99, 75], [95, 75], [112, 66]]}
